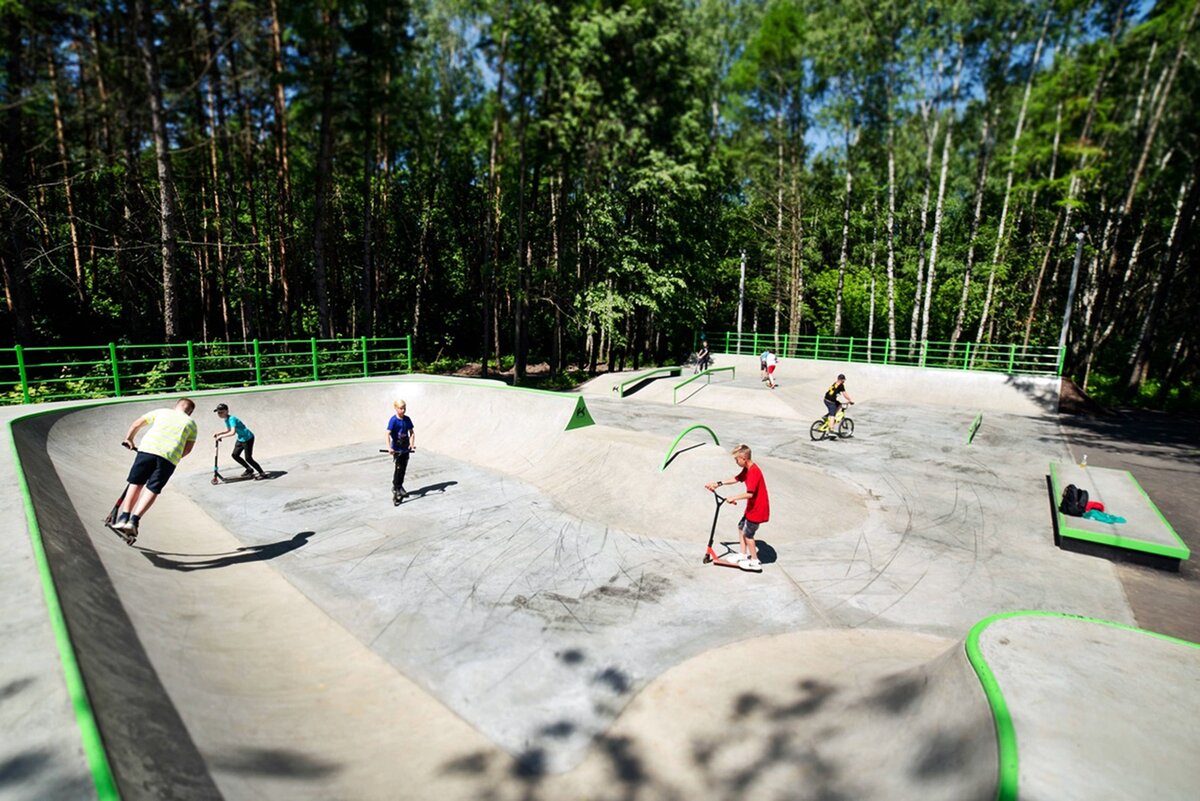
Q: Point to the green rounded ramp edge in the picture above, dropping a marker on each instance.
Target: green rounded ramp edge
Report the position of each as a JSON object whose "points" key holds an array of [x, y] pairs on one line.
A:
{"points": [[1006, 735], [671, 451], [89, 732]]}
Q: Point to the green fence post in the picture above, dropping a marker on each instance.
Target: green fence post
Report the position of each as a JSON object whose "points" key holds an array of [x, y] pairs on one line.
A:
{"points": [[727, 343], [366, 368], [1012, 355], [408, 346], [850, 352], [191, 364], [21, 371], [967, 357], [257, 366], [924, 350], [116, 373], [1062, 358], [313, 342], [817, 348], [756, 350], [887, 346]]}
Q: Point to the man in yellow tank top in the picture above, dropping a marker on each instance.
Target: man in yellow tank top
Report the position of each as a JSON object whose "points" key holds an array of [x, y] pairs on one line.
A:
{"points": [[171, 437]]}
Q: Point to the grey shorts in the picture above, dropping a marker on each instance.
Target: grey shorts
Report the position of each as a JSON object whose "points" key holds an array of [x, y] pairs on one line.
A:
{"points": [[748, 528]]}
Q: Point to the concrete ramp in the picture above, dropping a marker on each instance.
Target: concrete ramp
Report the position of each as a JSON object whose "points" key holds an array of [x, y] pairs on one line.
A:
{"points": [[535, 621], [802, 382]]}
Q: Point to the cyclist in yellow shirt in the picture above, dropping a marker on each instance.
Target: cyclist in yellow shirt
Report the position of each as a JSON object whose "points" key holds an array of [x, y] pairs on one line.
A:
{"points": [[171, 437]]}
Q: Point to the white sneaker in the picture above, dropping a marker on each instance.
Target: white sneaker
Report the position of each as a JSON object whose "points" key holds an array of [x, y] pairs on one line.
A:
{"points": [[753, 563]]}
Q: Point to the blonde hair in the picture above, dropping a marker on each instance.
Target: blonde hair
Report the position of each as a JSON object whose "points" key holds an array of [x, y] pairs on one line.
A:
{"points": [[399, 404], [742, 450]]}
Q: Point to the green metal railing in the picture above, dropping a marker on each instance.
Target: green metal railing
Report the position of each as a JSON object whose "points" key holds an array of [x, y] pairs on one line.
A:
{"points": [[705, 374], [38, 374], [985, 357]]}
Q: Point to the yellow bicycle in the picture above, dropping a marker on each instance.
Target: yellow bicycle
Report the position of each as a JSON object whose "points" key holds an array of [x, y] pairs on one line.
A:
{"points": [[841, 426]]}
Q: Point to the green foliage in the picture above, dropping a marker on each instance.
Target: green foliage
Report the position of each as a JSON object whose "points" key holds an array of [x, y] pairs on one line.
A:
{"points": [[581, 178]]}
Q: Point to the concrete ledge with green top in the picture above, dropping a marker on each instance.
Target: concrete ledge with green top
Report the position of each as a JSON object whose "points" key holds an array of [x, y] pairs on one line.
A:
{"points": [[1145, 536], [661, 372]]}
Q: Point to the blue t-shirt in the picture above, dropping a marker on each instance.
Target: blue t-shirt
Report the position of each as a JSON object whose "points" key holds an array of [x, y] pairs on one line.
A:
{"points": [[399, 428], [243, 434]]}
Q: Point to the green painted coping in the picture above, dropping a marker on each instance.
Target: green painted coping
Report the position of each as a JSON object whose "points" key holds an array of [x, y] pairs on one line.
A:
{"points": [[620, 388], [702, 374], [1180, 551], [1006, 735], [974, 427], [682, 434], [89, 732]]}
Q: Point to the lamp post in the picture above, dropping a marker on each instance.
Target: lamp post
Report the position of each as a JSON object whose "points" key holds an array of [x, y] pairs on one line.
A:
{"points": [[1066, 323], [741, 295]]}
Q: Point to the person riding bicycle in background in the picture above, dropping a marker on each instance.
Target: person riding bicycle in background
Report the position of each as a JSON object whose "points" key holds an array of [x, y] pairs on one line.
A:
{"points": [[838, 387]]}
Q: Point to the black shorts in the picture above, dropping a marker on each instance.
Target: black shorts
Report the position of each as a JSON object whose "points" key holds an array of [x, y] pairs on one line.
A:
{"points": [[151, 470], [748, 528], [832, 407]]}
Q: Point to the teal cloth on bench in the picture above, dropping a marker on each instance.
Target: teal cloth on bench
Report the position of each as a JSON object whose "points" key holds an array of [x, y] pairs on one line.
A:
{"points": [[1102, 517]]}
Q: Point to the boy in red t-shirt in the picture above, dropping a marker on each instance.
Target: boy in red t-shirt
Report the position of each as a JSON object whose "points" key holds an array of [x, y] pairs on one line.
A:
{"points": [[758, 505]]}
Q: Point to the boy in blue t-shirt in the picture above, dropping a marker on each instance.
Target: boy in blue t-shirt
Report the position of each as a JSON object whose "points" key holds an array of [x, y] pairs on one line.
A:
{"points": [[245, 442], [402, 440]]}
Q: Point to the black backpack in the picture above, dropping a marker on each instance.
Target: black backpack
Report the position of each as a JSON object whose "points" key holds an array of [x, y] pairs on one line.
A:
{"points": [[1074, 501]]}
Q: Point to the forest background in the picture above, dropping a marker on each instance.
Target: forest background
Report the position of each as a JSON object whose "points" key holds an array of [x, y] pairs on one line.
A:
{"points": [[577, 183]]}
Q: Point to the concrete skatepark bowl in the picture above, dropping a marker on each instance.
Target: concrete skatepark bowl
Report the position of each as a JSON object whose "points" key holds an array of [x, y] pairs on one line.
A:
{"points": [[535, 621]]}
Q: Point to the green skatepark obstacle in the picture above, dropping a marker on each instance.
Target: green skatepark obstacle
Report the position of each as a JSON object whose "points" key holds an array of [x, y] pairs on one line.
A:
{"points": [[1145, 538]]}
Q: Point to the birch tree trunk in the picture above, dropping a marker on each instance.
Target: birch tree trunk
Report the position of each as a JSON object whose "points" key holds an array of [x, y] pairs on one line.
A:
{"points": [[844, 255], [166, 181], [284, 175], [981, 175], [927, 108], [63, 156], [13, 202], [1185, 213], [1008, 178], [329, 19], [891, 216], [939, 209], [492, 257]]}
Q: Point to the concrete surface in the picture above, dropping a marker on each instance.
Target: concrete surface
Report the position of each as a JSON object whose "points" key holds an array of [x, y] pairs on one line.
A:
{"points": [[536, 621], [1100, 711], [1163, 451]]}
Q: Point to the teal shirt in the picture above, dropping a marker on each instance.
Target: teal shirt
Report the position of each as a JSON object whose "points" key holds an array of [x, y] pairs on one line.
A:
{"points": [[239, 428]]}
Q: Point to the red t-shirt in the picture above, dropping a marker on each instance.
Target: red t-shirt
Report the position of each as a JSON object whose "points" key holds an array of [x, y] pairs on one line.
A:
{"points": [[758, 508]]}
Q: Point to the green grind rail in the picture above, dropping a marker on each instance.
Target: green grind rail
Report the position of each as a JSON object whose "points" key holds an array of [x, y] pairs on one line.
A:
{"points": [[705, 374], [671, 451]]}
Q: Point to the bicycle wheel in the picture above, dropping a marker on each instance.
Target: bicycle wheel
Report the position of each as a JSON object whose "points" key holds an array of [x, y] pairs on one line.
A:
{"points": [[846, 429], [816, 431]]}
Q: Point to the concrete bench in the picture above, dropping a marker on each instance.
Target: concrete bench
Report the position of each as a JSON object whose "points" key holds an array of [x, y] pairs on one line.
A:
{"points": [[1145, 537]]}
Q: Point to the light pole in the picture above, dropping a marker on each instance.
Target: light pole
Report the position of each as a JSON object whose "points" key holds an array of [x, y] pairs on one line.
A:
{"points": [[1066, 323], [741, 295]]}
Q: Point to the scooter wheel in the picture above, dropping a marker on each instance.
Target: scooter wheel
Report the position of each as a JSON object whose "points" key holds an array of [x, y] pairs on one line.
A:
{"points": [[707, 559], [216, 480]]}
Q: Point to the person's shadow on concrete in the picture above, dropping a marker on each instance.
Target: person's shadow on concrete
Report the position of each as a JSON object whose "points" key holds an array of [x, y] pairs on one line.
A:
{"points": [[249, 553], [423, 491]]}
